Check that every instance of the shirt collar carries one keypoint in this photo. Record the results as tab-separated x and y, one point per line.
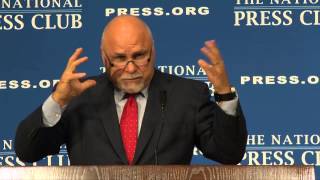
119	94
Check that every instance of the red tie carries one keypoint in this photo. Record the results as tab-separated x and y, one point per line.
129	127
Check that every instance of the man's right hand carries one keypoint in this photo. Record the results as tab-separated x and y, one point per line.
70	85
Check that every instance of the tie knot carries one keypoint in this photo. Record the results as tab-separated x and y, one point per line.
127	95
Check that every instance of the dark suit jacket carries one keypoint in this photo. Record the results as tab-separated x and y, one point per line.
90	127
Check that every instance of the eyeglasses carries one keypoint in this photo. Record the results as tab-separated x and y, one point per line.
120	62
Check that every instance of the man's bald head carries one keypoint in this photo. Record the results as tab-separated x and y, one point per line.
128	28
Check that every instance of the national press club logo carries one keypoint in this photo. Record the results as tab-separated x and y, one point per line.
16	15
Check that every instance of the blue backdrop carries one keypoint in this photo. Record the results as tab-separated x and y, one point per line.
270	48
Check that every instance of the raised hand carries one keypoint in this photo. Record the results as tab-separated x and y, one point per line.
70	85
215	70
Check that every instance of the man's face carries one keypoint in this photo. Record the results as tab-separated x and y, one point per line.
134	76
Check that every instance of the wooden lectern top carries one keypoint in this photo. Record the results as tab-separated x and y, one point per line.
170	172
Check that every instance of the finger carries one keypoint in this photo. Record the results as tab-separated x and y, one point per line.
76	54
88	84
213	48
212	52
212	58
68	78
204	65
76	63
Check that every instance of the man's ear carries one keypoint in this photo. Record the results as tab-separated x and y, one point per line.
103	57
153	55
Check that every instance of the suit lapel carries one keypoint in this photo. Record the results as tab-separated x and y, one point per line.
110	121
151	118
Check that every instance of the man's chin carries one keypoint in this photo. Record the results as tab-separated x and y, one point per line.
132	89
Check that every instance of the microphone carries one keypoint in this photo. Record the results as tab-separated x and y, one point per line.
163	101
163	104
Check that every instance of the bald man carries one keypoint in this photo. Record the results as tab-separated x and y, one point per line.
134	114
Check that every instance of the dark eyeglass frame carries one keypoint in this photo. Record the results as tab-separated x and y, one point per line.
133	61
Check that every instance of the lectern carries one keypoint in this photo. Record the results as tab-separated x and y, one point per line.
160	172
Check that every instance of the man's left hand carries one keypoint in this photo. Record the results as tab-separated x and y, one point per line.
215	70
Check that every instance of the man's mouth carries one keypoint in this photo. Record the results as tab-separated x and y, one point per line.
132	79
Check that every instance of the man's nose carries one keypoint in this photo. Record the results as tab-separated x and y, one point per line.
131	67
